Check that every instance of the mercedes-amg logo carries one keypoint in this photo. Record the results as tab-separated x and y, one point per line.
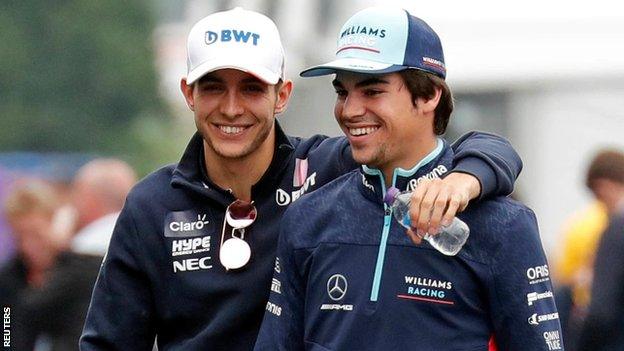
337	287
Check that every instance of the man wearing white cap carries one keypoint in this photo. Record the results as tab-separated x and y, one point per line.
193	251
352	280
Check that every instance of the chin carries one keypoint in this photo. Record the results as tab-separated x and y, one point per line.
364	160
234	154
370	159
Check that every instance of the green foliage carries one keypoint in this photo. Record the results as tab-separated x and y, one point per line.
76	75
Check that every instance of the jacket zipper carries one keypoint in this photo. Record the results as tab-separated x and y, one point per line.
381	254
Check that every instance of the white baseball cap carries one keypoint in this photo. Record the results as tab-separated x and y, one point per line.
239	39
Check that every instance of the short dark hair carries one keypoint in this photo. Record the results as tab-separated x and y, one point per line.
422	85
607	164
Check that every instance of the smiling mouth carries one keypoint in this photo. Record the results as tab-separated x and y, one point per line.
362	131
231	129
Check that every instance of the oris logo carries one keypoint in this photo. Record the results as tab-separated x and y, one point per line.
537	272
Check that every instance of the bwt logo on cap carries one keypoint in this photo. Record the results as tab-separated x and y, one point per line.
232	34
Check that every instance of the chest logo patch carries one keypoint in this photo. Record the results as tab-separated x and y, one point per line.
427	290
181	224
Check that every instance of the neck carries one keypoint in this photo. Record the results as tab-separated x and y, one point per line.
412	155
239	174
616	204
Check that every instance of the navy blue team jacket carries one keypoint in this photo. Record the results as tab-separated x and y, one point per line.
347	276
162	276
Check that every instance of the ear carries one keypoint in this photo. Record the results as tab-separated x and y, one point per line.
187	91
429	105
283	96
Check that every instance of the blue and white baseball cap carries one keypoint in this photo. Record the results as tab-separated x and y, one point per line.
239	39
381	40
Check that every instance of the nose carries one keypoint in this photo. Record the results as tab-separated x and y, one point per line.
231	106
352	107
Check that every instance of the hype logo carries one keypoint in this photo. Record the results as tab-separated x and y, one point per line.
228	35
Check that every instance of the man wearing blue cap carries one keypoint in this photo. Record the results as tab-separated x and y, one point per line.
348	276
192	255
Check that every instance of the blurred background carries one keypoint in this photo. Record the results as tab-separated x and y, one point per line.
86	79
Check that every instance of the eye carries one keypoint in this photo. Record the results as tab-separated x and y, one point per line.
254	88
342	93
210	88
373	92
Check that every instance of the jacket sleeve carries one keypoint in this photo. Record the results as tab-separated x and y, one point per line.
602	325
488	157
283	325
522	304
491	159
120	316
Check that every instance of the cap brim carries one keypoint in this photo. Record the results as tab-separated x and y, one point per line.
261	72
351	65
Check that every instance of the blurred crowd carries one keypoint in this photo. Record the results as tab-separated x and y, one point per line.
60	231
589	271
59	235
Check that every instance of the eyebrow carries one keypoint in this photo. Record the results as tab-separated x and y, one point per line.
366	82
252	80
211	78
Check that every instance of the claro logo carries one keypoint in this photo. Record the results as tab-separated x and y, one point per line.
189	226
182	224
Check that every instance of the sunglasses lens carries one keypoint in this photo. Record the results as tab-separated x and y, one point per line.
234	253
240	214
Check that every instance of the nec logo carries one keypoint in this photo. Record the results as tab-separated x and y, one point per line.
191	264
233	34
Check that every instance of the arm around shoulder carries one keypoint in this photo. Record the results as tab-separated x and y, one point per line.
491	159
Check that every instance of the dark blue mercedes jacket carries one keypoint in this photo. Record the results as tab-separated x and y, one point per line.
162	274
348	277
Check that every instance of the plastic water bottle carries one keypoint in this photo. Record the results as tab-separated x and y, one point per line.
448	241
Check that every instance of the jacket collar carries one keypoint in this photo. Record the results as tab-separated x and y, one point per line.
191	173
437	163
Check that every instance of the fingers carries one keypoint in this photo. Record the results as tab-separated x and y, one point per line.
421	206
434	203
456	202
415	204
439	206
416	239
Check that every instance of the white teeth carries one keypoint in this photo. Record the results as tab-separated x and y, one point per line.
362	131
231	130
